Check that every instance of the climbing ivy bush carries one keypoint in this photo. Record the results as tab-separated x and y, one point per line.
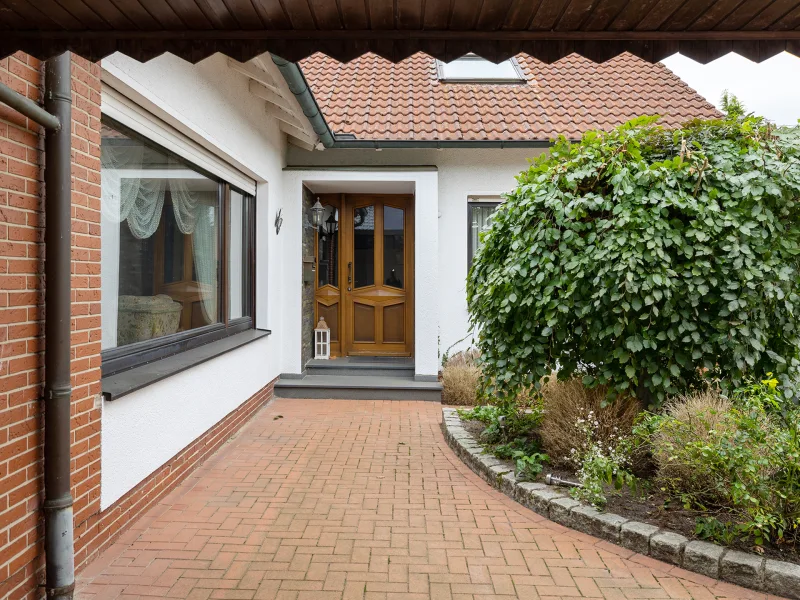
646	259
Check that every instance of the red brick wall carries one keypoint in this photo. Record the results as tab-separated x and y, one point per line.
22	310
86	330
21	328
21	342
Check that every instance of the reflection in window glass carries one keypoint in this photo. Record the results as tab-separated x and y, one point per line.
393	246
239	265
481	222
328	247
159	242
475	68
364	246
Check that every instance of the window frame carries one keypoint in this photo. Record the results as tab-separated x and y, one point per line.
122	358
520	78
486	201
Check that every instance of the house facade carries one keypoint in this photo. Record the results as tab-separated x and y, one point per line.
220	210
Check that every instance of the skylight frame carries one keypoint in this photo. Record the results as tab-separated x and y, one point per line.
520	77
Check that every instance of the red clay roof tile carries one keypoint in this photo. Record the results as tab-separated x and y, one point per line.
373	98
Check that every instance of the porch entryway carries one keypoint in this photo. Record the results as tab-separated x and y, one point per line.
359	278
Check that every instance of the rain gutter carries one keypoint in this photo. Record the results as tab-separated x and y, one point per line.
437	144
299	87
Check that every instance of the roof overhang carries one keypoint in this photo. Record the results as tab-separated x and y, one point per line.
395	29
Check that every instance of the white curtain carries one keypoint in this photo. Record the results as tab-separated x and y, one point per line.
184	205
481	222
204	248
139	201
126	195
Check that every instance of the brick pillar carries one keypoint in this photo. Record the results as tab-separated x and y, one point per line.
21	328
22	321
86	330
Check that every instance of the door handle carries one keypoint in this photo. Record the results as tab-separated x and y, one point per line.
349	274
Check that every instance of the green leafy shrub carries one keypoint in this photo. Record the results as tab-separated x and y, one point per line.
510	434
738	458
528	466
642	257
486	414
567	402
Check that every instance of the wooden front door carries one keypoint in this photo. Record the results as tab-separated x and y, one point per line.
364	284
378	283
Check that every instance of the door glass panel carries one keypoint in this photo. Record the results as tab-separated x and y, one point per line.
328	248
393	246
364	246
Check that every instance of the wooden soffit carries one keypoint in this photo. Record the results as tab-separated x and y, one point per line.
395	29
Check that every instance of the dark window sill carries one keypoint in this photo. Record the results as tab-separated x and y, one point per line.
120	384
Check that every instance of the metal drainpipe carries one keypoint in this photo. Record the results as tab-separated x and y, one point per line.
59	547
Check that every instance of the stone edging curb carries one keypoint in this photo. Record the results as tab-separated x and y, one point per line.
748	570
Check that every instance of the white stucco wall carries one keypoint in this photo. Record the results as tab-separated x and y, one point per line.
461	172
424	185
143	430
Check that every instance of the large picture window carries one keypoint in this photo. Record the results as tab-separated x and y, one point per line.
176	253
479	220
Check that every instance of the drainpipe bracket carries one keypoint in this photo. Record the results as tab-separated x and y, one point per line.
64	591
51	95
59	392
57	503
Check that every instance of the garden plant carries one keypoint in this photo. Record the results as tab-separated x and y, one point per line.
638	323
646	259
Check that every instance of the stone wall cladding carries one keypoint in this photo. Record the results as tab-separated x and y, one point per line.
21	331
307	328
748	570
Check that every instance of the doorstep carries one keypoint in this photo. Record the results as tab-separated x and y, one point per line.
359	378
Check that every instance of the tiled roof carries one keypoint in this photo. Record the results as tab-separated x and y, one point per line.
375	99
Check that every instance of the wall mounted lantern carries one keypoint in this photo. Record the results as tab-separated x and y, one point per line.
331	225
317	212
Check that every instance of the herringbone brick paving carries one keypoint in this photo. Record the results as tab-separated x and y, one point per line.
319	500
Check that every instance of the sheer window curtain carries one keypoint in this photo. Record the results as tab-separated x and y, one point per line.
481	222
127	194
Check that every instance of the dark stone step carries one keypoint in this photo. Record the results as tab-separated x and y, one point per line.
366	387
362	366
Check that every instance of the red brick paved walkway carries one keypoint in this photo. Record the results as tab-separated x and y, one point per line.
363	500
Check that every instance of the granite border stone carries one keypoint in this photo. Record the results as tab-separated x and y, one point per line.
748	570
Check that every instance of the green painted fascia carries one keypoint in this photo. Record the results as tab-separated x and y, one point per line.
299	87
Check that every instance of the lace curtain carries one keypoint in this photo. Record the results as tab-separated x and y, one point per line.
481	222
140	203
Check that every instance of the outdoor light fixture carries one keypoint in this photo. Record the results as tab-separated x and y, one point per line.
317	211
322	340
331	224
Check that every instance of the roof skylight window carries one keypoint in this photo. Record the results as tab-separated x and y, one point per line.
471	68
